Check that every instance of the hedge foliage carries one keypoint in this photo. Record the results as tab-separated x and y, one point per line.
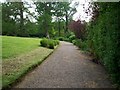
49	43
104	38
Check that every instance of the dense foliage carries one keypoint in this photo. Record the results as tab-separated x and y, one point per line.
22	22
49	43
104	38
78	27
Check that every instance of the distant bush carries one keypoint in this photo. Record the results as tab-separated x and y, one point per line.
72	37
81	44
74	42
61	38
78	42
44	42
66	39
56	42
49	43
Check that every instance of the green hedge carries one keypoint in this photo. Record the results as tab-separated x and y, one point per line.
81	44
104	39
49	43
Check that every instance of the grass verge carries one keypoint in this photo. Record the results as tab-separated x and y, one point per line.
19	66
15	67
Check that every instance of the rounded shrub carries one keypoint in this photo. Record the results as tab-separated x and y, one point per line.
74	42
61	38
51	44
56	42
72	37
44	42
78	43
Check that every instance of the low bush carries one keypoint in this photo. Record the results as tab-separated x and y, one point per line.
81	44
61	38
49	43
66	39
56	42
44	42
78	42
72	37
74	42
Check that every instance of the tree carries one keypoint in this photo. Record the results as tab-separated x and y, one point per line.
12	17
8	19
63	10
69	11
78	28
44	17
58	12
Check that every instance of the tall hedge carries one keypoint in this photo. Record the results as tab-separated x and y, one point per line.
104	38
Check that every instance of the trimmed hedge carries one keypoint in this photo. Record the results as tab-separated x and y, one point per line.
61	38
81	44
44	42
104	38
49	43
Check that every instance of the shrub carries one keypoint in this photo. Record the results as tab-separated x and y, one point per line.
74	42
44	42
78	42
49	43
81	44
72	37
61	38
56	42
66	39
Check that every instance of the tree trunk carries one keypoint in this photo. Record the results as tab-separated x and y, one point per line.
22	33
66	23
59	26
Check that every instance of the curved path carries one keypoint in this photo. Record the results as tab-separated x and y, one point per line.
67	67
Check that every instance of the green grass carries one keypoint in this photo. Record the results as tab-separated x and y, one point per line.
22	55
14	46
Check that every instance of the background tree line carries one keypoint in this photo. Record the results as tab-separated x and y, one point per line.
15	23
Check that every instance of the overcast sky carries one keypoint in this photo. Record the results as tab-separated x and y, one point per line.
80	14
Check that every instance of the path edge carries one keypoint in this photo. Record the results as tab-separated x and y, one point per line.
30	69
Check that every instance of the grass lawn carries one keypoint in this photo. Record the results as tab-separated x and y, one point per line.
19	56
14	46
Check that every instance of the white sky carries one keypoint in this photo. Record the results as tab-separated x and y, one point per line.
80	14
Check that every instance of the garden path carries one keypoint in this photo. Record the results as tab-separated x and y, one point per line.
67	67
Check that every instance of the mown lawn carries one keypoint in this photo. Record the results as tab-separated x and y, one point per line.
19	56
14	46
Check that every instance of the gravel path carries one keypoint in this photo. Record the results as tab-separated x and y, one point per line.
67	67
